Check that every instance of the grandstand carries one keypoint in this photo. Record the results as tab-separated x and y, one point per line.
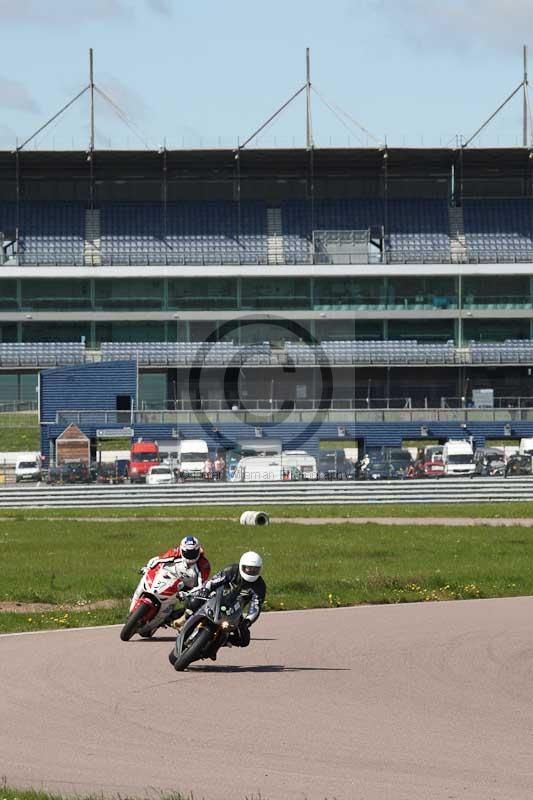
386	262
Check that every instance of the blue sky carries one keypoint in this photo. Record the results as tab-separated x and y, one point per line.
208	72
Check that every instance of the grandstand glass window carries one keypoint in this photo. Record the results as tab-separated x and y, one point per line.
27	387
421	293
56	295
10	388
200	331
426	330
507	292
276	294
348	293
132	294
343	329
8	332
8	295
495	330
56	331
151	331
152	390
203	295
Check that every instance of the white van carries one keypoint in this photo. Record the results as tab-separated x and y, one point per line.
192	455
526	447
259	469
458	457
302	461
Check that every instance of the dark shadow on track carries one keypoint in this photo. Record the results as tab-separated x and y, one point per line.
261	668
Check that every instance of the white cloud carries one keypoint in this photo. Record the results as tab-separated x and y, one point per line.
457	24
161	6
67	13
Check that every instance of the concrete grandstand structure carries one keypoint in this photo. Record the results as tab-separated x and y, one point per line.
408	272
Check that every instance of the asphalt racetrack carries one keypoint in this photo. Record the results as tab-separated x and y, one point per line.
396	702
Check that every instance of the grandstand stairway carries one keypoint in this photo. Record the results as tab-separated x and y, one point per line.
92	250
457	234
275	254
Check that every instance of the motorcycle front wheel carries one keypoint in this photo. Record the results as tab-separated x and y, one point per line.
133	623
191	652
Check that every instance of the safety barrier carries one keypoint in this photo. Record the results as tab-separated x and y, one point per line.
448	490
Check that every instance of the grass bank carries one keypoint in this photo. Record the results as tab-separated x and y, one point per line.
19	432
9	793
71	563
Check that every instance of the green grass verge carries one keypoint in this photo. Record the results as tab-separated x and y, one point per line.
484	510
9	793
19	432
70	563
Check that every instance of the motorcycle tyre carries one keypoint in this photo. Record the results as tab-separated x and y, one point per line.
133	623
193	652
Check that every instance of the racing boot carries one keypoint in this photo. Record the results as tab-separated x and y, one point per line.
179	622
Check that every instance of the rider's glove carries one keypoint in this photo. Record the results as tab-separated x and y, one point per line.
153	562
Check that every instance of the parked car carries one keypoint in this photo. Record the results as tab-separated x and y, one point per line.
332	465
489	461
108	473
161	474
519	464
27	471
401	462
73	472
427	468
376	468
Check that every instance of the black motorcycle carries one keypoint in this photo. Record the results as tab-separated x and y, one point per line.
207	629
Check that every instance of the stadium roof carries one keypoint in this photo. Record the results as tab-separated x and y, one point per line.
221	163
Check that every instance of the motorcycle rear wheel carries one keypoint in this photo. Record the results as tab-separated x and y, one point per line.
193	652
133	623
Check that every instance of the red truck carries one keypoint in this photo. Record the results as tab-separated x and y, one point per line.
143	455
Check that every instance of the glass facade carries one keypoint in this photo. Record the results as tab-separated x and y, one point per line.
275	294
513	291
266	294
439	295
17	388
56	295
129	294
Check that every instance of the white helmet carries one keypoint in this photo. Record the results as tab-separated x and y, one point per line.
190	549
250	566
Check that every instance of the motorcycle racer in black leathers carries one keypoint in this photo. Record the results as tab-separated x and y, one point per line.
246	578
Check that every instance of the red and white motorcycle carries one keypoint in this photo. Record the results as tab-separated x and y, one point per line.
154	598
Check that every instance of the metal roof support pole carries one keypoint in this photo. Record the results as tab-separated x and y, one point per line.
49	122
309	141
385	205
91	129
500	107
164	193
17	176
273	116
525	126
311	193
237	190
461	176
309	124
